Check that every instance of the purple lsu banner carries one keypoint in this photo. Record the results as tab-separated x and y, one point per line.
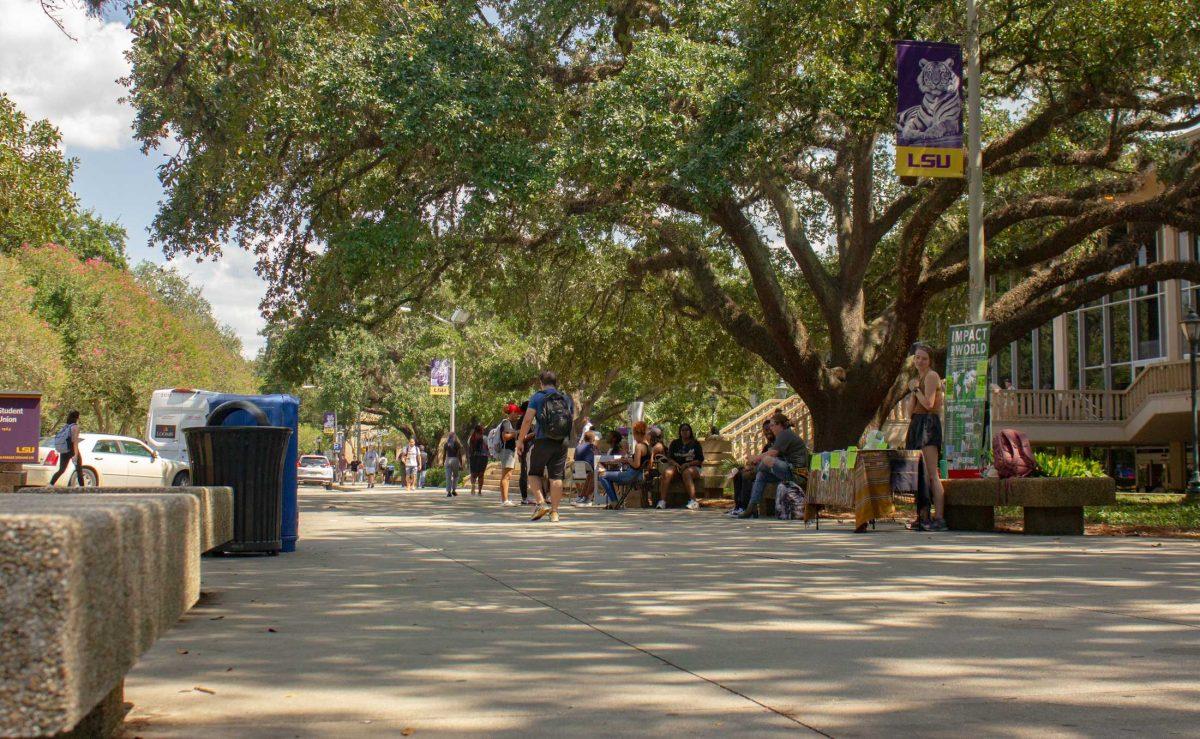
20	423
929	110
439	377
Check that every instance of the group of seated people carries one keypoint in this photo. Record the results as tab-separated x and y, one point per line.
646	457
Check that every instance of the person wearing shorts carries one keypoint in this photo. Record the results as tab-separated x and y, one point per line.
508	450
548	459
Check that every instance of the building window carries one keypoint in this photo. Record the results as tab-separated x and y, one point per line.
1189	251
1114	337
1028	362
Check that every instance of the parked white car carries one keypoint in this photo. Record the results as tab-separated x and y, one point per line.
111	461
314	469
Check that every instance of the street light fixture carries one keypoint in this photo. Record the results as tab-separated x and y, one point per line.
1191	331
781	390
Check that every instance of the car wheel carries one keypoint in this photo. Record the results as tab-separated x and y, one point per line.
182	480
90	479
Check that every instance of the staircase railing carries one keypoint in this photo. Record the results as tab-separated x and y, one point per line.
1091	406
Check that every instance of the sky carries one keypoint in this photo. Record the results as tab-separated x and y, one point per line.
74	85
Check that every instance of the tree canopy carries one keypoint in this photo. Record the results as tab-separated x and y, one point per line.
37	205
738	151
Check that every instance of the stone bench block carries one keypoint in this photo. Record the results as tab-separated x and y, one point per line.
1052	505
216	507
88	582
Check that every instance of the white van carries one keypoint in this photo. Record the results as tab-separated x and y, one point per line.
172	411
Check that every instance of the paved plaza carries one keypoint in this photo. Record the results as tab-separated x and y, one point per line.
407	614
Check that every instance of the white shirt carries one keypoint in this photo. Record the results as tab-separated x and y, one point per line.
411	456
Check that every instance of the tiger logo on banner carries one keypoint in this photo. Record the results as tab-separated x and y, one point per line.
929	110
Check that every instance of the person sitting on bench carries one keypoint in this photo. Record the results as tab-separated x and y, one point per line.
638	461
743	477
683	461
776	464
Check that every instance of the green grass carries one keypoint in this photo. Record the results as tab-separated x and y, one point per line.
1150	511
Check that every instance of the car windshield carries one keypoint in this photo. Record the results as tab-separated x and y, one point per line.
314	462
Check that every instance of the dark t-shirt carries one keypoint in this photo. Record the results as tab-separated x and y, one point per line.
477	445
453	449
586	453
506	427
682	453
791	448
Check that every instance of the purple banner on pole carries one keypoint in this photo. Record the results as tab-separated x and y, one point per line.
20	424
929	94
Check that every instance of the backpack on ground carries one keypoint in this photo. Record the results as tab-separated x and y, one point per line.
1012	454
789	501
62	440
555	417
495	442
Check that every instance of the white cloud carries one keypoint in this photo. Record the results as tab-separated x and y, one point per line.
71	83
234	289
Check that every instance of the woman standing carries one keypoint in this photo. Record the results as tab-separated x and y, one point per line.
478	459
453	452
66	443
926	399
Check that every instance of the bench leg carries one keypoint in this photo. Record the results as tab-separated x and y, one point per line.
102	721
971	518
1055	521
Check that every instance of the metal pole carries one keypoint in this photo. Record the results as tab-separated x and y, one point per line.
974	170
453	390
1193	488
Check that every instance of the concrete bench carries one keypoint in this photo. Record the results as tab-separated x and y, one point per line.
216	507
1052	505
87	584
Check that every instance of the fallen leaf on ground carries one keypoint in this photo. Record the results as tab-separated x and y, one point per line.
182	651
408	731
204	690
216	618
271	630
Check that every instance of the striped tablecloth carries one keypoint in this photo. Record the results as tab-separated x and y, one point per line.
866	488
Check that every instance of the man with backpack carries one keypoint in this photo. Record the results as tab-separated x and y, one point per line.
554	412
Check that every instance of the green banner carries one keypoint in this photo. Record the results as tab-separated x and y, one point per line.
966	395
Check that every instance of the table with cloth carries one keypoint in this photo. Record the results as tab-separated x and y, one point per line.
867	487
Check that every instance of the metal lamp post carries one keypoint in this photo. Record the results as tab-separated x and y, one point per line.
713	400
976	246
458	319
1191	332
781	390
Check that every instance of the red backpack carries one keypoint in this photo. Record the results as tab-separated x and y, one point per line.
1012	455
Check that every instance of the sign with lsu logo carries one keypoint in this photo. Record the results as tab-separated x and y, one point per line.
929	110
920	161
20	423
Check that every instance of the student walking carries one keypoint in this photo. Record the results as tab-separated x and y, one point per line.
926	398
555	414
508	450
370	465
412	461
424	465
453	454
477	458
66	443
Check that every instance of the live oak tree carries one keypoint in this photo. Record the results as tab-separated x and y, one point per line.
740	150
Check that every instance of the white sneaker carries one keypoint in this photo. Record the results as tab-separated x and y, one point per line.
508	504
662	505
587	504
693	505
734	513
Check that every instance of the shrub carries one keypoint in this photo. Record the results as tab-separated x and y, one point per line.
435	477
1051	465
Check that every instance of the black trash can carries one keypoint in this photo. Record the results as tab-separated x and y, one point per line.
250	460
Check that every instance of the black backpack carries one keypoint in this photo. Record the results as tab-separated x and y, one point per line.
556	416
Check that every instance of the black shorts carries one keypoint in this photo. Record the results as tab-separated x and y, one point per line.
548	458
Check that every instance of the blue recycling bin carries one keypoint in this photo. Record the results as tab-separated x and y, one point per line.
281	410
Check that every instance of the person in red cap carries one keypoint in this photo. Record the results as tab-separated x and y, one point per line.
508	450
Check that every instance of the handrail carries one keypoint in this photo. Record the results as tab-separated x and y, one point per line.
1091	406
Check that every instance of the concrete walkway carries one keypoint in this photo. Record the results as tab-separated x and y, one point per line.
406	613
